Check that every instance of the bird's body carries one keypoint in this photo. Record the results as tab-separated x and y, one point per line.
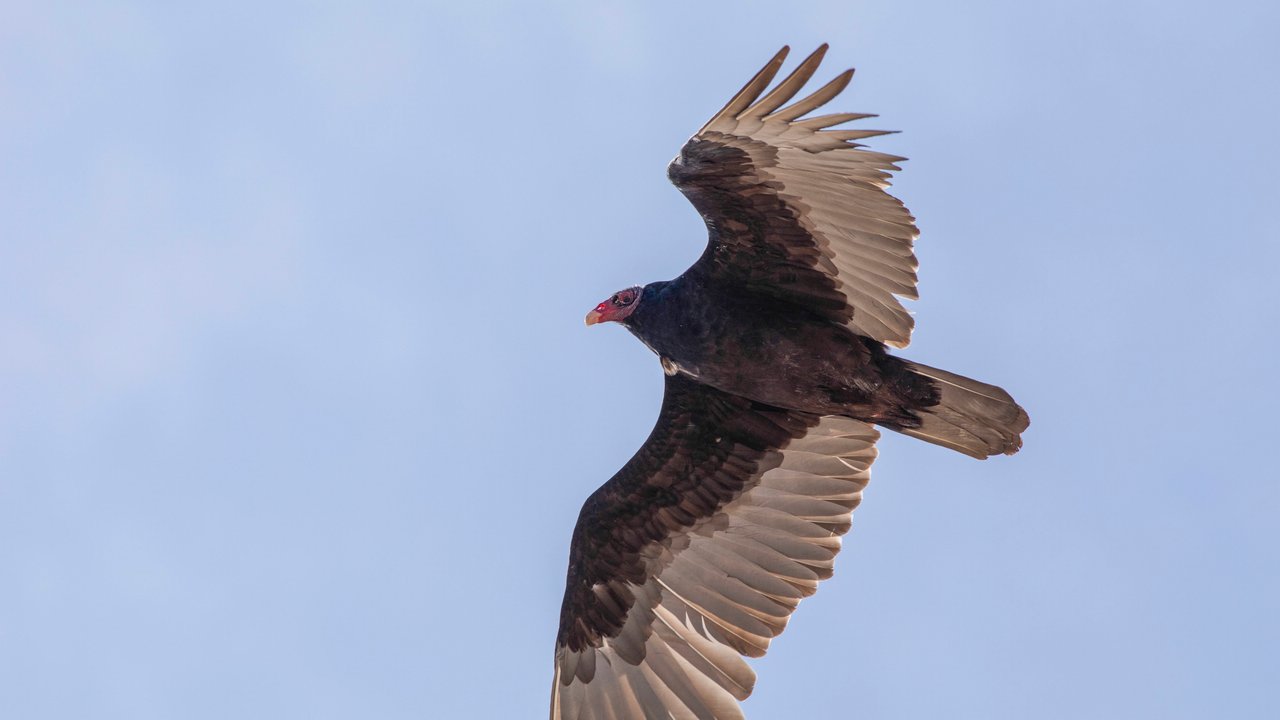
776	354
775	345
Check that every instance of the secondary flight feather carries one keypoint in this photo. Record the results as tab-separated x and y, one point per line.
695	554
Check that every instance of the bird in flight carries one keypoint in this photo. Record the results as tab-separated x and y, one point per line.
698	550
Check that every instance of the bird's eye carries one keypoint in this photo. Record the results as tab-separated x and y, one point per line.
616	300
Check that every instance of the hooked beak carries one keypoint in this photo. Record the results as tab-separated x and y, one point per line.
593	317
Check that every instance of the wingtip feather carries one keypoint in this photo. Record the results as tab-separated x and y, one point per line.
817	99
787	89
749	92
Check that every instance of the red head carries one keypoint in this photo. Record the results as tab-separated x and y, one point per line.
618	307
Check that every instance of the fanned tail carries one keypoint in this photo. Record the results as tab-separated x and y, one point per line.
972	417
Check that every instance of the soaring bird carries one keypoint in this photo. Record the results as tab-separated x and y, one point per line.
698	550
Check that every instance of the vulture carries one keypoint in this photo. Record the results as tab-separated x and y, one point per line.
694	555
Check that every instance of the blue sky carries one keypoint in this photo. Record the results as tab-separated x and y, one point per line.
297	409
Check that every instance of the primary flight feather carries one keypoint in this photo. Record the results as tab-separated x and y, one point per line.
698	550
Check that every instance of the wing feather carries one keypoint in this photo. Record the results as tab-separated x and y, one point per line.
826	121
788	88
752	89
820	97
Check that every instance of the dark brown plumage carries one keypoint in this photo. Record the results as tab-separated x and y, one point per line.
698	550
699	457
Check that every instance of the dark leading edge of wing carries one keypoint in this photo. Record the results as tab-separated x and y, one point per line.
704	449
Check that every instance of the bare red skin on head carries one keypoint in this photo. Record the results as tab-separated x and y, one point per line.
619	305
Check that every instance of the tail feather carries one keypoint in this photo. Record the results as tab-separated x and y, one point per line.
971	417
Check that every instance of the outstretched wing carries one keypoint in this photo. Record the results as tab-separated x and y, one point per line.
797	210
697	552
